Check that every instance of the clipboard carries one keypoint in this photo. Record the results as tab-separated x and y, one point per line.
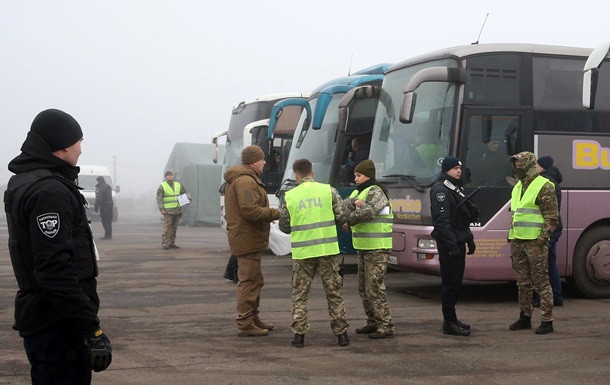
183	200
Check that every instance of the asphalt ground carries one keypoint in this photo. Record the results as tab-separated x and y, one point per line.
170	317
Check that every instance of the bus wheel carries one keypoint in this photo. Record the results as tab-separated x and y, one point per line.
591	263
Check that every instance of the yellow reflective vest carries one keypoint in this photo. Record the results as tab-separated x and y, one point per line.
312	221
527	220
170	197
374	234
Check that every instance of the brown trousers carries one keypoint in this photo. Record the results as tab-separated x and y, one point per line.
249	288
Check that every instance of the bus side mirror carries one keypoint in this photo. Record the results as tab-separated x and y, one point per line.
589	87
408	107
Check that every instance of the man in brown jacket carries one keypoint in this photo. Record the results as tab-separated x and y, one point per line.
248	216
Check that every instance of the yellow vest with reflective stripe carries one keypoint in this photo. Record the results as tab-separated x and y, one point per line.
312	221
527	220
374	234
170	197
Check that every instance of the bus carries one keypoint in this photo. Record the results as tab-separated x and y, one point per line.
319	139
484	103
249	124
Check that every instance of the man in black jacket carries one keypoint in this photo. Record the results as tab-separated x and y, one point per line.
104	203
54	256
451	220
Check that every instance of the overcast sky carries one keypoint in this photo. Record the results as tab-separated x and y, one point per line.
140	76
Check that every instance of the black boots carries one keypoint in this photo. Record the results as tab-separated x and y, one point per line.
545	327
367	329
524	322
343	340
454	329
298	341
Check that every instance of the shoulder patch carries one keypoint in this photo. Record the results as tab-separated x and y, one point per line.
48	224
440	197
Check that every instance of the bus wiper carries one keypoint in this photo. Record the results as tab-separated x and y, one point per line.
408	178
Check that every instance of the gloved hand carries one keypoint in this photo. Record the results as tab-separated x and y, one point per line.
100	351
454	251
471	247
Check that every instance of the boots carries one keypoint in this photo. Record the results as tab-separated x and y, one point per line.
298	341
545	327
524	322
454	329
253	331
367	329
263	325
343	339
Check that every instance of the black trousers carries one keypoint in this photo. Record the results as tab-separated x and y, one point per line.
106	217
452	272
58	355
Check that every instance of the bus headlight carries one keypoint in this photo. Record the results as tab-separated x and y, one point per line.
426	243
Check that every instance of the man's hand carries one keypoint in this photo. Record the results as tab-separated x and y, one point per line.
345	227
358	203
100	351
471	247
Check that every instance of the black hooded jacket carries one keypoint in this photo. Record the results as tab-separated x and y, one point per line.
50	243
554	175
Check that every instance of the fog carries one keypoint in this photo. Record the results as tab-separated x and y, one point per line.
140	76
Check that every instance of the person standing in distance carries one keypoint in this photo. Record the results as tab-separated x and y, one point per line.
54	256
545	168
104	203
371	218
310	214
248	216
167	201
451	217
535	217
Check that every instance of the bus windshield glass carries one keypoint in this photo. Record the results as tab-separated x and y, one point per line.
318	151
415	149
241	116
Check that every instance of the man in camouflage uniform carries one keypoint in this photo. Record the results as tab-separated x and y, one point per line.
309	214
167	201
371	220
535	217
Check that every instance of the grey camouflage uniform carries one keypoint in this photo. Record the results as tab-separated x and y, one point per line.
372	264
530	257
304	270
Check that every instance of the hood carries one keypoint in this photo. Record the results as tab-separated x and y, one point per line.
528	160
236	171
553	174
36	154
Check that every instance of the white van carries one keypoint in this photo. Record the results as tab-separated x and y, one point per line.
87	179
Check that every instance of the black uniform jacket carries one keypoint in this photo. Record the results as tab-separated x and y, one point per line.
451	226
50	243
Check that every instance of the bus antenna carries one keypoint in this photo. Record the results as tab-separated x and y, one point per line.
349	70
481	31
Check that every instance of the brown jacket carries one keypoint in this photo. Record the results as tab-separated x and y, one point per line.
247	211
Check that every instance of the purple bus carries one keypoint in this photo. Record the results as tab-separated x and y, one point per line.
483	103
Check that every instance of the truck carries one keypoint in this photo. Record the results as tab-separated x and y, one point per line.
87	179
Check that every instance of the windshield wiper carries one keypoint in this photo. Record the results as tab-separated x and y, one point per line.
408	178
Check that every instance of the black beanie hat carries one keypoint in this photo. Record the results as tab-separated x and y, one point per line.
545	162
367	168
58	129
450	162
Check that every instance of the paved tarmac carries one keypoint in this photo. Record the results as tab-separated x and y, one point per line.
170	317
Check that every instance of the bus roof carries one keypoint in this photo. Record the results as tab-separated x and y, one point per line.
478	49
270	97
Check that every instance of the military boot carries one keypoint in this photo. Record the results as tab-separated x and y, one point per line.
524	322
545	327
367	329
343	339
298	341
263	325
253	331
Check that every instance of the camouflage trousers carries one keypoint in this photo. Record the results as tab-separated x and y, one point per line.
303	272
531	265
372	266
170	225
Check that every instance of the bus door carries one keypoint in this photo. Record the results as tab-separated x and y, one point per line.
489	136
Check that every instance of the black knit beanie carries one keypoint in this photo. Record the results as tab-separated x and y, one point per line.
450	162
367	168
545	162
58	129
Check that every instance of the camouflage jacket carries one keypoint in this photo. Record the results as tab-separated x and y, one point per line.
375	201
546	199
161	194
339	210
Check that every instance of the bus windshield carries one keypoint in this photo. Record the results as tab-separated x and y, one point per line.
415	149
319	152
241	116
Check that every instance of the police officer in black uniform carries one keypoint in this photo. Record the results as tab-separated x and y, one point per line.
452	213
54	256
